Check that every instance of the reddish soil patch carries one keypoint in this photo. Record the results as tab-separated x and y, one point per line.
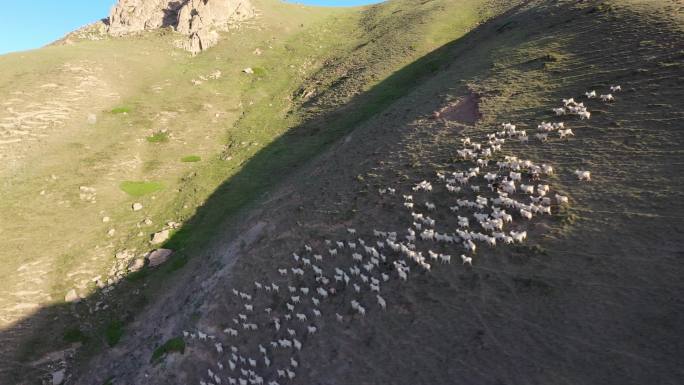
464	110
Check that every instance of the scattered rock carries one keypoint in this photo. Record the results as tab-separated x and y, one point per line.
72	296
111	232
125	254
147	222
137	206
173	225
215	75
257	52
92	118
159	256
160	237
248	70
136	264
87	193
105	219
58	377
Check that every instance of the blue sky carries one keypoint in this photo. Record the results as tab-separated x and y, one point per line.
31	24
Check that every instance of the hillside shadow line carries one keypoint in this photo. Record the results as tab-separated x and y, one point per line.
43	331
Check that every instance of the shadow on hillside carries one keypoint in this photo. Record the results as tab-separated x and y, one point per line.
44	331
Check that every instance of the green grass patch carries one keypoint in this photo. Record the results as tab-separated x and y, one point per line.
73	335
177	263
173	345
566	216
120	110
601	8
138	189
258	71
158	137
151	166
138	276
113	332
191	159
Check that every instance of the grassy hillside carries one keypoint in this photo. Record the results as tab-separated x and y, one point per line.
92	127
592	292
342	102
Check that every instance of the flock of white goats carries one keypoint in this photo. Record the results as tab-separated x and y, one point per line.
353	271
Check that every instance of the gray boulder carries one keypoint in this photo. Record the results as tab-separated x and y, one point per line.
160	237
159	256
72	296
58	377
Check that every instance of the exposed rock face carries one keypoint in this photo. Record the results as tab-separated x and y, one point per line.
129	16
199	20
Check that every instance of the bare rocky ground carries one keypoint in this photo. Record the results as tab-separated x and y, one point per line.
594	296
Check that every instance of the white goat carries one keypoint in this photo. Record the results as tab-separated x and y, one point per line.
565	133
381	302
583	175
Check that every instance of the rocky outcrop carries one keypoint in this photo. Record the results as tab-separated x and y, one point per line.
200	21
129	16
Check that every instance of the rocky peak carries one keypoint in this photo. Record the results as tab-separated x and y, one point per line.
200	21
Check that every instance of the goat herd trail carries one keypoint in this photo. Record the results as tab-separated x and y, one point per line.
340	280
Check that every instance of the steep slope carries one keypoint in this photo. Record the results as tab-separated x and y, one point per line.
95	124
592	296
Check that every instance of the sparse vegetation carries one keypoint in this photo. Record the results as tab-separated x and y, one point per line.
140	188
259	72
191	159
158	137
74	335
174	345
120	110
113	332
